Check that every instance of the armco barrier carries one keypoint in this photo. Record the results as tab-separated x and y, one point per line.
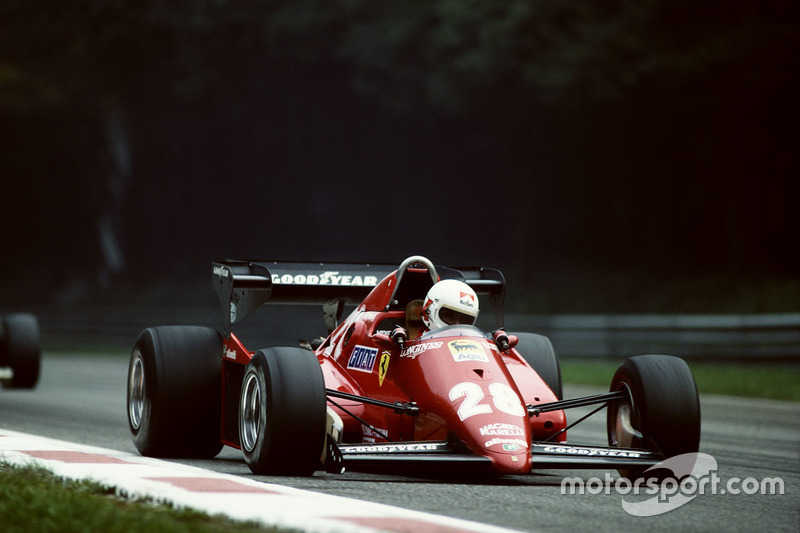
745	337
748	337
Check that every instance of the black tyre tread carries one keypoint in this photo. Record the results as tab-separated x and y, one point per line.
666	399
293	432
538	351
22	350
183	366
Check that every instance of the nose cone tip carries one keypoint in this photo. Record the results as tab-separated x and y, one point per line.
517	463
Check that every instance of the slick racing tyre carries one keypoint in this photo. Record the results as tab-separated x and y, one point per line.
21	350
282	412
662	411
538	351
174	392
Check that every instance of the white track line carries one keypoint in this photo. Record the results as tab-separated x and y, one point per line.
180	485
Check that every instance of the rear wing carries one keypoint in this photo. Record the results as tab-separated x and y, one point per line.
244	286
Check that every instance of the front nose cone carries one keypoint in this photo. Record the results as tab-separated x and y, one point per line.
509	455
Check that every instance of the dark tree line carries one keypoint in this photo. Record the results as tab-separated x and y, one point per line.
143	138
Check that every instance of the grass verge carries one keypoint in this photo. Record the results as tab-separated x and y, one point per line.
34	499
775	382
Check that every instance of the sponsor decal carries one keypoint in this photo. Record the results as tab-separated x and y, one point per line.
471	356
325	278
221	271
502	430
370	434
230	354
575	450
416	349
466	299
362	358
383	367
509	445
390	448
464	350
374	432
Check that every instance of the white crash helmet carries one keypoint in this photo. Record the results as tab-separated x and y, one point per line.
449	302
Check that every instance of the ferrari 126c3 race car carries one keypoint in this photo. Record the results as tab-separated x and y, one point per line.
372	394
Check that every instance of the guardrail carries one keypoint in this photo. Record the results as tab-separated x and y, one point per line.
757	337
744	337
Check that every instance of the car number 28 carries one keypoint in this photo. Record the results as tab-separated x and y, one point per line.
503	397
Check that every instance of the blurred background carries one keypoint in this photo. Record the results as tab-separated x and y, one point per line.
609	157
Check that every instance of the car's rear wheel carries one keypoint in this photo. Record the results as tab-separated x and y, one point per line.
662	410
282	412
538	351
174	392
21	350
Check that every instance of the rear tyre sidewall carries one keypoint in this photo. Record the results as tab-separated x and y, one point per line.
174	392
538	352
282	412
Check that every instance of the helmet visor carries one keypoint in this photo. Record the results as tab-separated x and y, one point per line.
452	317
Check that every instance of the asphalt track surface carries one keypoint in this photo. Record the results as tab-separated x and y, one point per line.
81	398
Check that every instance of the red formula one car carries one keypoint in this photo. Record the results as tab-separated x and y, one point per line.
374	393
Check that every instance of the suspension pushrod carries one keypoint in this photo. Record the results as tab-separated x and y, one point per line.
405	408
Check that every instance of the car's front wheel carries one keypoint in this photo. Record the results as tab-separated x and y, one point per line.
662	409
282	412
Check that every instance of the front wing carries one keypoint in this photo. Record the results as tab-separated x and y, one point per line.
544	456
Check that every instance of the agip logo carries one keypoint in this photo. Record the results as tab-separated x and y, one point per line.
464	350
